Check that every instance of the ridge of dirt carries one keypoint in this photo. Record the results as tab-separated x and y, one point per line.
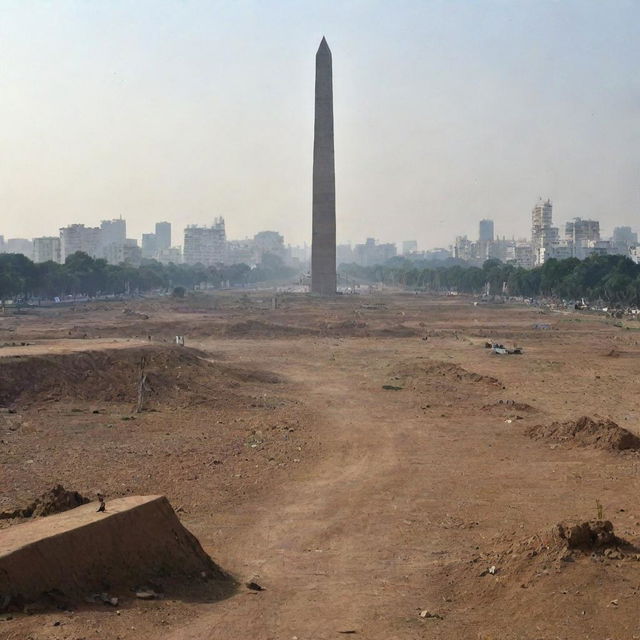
434	369
587	432
174	375
56	500
259	328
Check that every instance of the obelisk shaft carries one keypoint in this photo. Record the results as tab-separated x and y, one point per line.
323	244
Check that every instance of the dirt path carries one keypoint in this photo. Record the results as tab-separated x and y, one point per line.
322	545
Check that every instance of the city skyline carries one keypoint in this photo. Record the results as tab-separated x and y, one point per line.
151	114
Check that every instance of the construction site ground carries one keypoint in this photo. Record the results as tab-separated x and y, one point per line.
364	459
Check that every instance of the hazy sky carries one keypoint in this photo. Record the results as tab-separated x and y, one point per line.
445	112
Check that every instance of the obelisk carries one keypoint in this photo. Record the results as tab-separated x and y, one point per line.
323	239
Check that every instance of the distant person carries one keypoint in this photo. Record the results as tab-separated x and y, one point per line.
102	508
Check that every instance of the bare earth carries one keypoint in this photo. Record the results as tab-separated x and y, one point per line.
356	507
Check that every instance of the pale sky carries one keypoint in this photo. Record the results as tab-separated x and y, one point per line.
445	113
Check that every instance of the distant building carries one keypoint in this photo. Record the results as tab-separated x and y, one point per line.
149	245
301	255
113	231
268	242
523	256
623	239
437	254
19	245
171	254
543	234
46	249
485	239
131	252
465	249
582	231
409	246
163	235
344	254
370	253
77	237
485	231
578	233
128	252
205	245
241	252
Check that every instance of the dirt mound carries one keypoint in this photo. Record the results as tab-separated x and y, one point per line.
587	536
509	405
600	434
173	375
562	543
345	328
258	328
56	500
398	331
434	370
525	561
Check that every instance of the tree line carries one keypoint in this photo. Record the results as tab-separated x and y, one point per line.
20	278
613	279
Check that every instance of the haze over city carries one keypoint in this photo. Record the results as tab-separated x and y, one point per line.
444	113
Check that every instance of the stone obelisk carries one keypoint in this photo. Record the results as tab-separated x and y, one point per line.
323	241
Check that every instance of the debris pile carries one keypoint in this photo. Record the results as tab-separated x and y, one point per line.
587	432
56	500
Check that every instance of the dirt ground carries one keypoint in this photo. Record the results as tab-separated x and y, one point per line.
362	474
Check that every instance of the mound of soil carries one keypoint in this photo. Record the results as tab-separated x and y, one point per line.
399	331
258	328
432	370
563	542
174	375
509	405
56	500
600	434
345	328
587	536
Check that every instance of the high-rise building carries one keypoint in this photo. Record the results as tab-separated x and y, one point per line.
581	231
77	237
113	231
205	245
46	249
485	231
163	235
544	235
149	245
